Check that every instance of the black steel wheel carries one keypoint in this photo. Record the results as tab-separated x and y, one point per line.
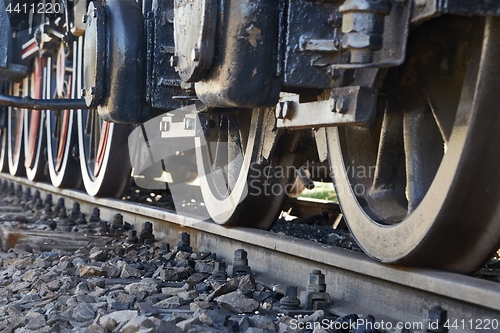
238	186
62	141
4	165
420	186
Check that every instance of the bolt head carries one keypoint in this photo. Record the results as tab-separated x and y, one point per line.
85	18
342	105
93	91
83	92
358	40
240	254
94	13
316	278
286	110
184	237
279	110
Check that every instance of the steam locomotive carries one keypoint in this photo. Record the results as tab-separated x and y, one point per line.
400	96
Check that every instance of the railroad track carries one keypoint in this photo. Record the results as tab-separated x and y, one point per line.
356	283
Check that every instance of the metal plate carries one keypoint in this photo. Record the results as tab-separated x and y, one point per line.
94	55
194	33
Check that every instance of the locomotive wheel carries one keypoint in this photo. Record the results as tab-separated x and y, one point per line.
64	167
236	189
4	165
34	121
431	199
15	128
102	147
104	158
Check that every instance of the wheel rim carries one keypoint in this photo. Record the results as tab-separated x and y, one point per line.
33	134
231	180
15	128
225	162
61	140
437	206
99	143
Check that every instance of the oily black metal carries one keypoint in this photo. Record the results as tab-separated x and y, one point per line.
243	69
195	25
113	69
42	104
162	81
313	43
8	71
5	35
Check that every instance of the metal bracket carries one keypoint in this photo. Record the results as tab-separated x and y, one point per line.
395	37
354	105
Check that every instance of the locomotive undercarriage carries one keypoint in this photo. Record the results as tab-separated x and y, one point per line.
400	97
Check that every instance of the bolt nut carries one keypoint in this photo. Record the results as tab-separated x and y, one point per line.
93	91
83	92
85	18
364	22
240	254
118	219
358	40
437	317
94	13
316	281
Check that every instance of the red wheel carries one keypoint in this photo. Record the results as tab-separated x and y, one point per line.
34	126
103	149
15	127
62	141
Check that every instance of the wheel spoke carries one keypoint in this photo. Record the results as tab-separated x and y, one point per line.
235	154
424	149
391	149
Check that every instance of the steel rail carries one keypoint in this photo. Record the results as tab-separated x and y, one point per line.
355	282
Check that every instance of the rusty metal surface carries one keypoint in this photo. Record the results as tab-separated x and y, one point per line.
354	281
